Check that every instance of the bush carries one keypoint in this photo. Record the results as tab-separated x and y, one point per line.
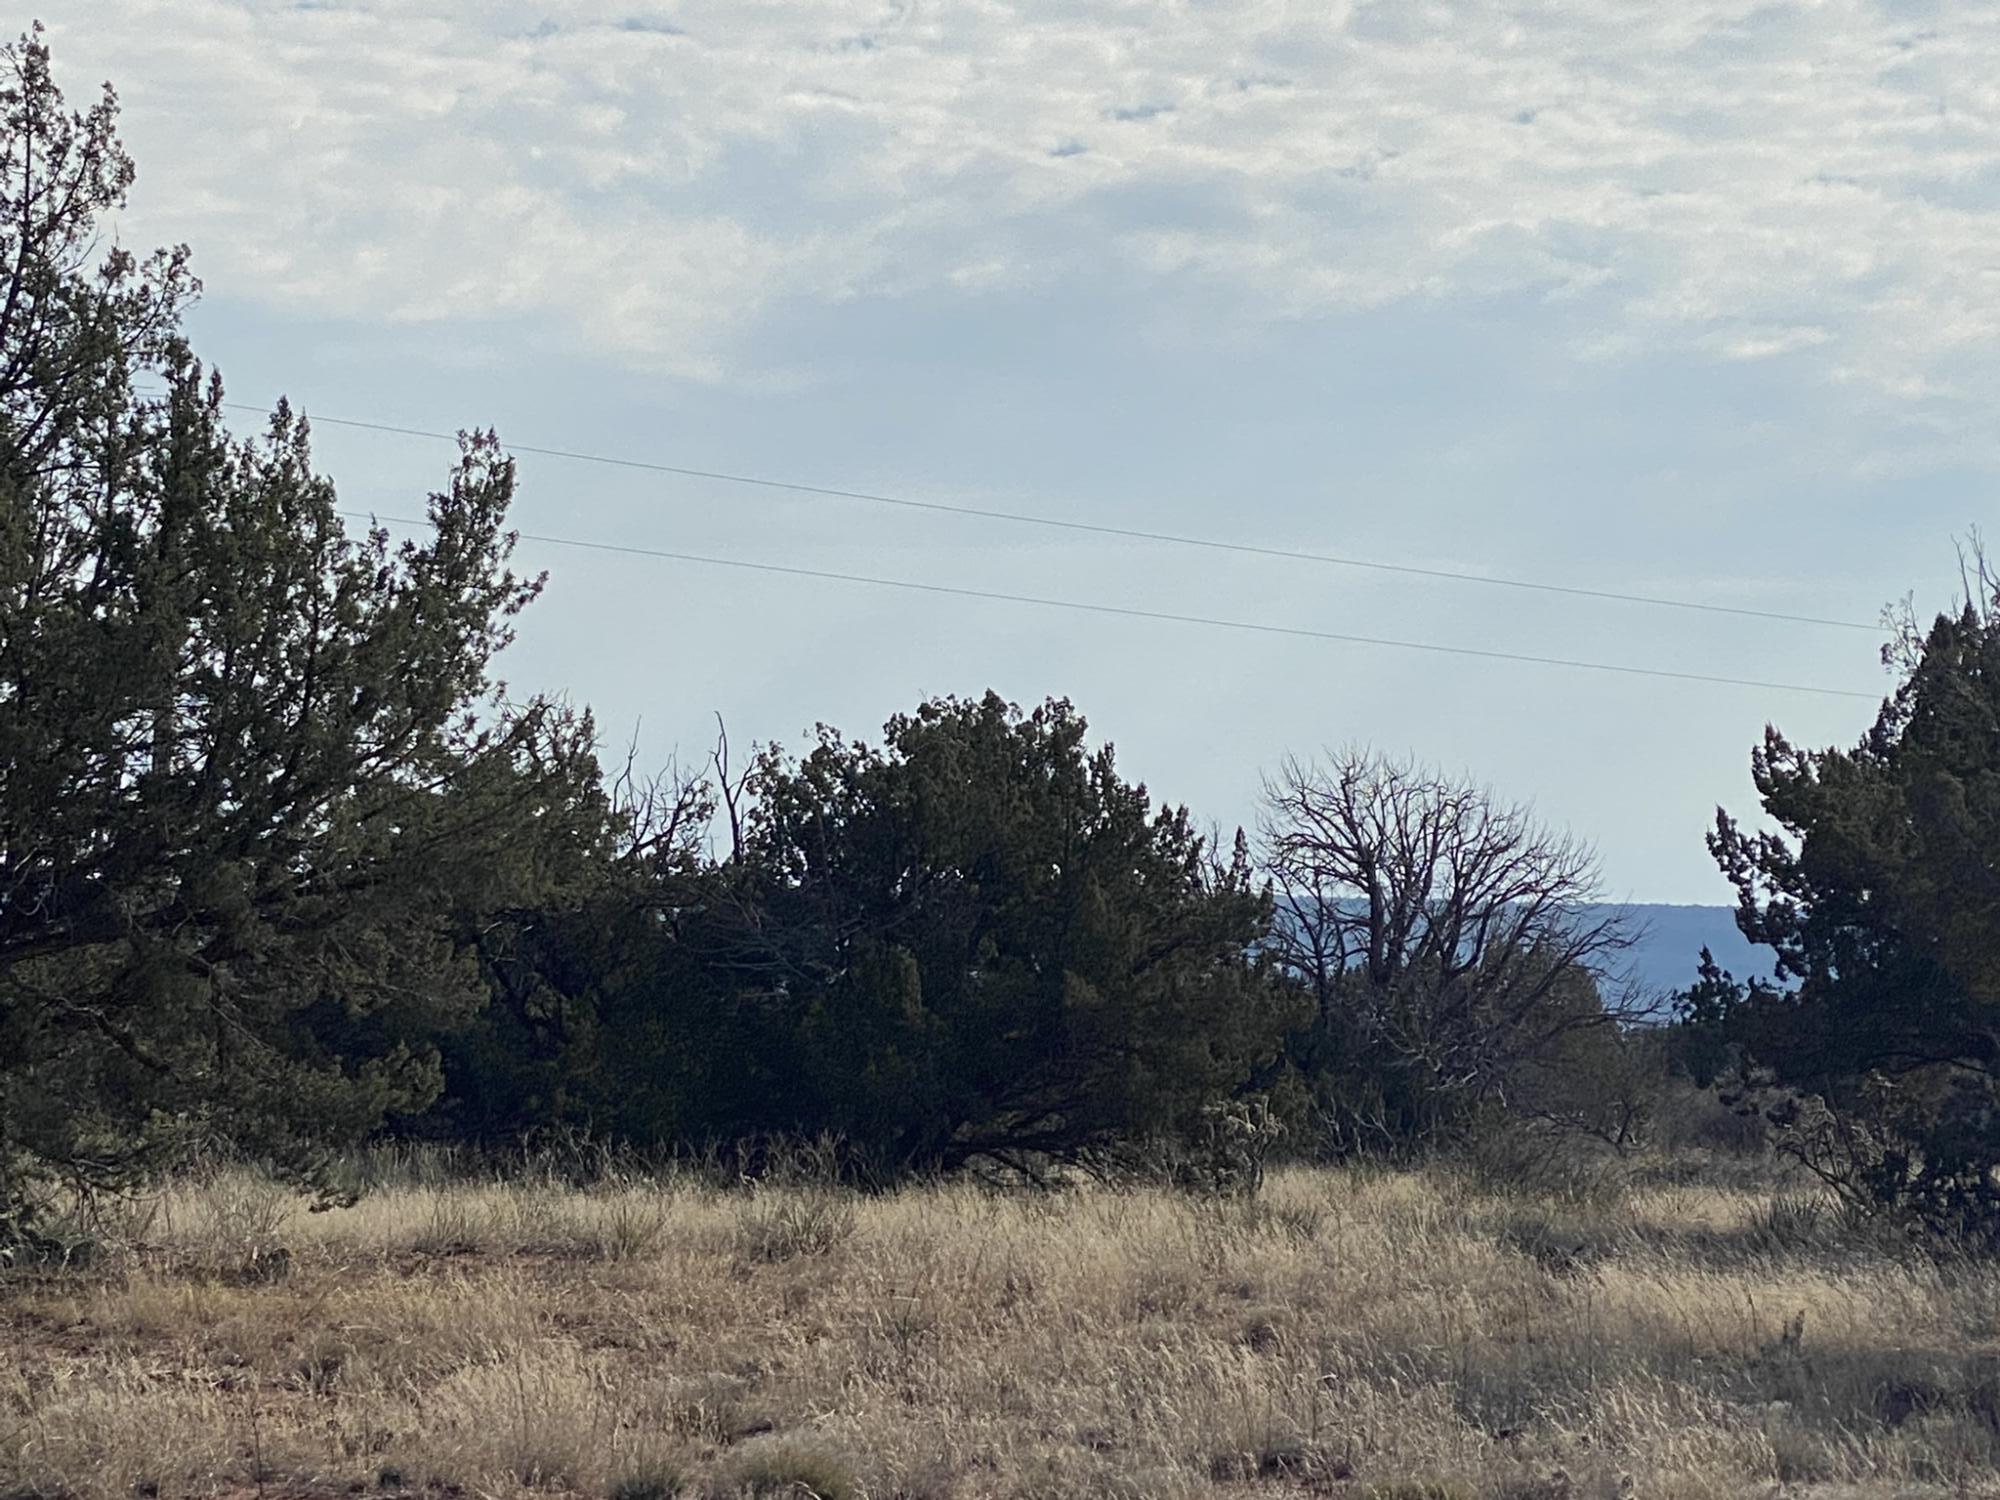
783	1223
789	1466
653	1479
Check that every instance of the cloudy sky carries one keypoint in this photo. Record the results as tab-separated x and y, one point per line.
1696	300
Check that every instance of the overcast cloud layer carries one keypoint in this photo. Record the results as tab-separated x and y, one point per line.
1692	300
1740	179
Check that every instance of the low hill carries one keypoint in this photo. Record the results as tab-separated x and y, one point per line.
1671	938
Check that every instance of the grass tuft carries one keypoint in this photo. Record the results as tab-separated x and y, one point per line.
788	1466
783	1223
652	1479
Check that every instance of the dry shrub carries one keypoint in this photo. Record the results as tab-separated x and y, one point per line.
232	1220
780	1223
541	1417
454	1223
116	1434
1529	1160
631	1224
653	1478
1418	1489
1795	1221
788	1466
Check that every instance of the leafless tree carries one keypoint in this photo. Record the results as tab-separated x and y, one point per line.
660	817
1444	935
731	786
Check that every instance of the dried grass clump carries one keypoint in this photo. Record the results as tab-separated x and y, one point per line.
785	1222
787	1467
652	1479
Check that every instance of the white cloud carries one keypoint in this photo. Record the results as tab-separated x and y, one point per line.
1764	342
1725	176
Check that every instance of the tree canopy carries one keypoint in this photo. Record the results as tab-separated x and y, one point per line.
974	941
1447	939
1879	891
256	780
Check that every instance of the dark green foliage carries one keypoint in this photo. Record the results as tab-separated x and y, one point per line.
975	941
990	944
1881	895
1698	1043
603	1014
256	791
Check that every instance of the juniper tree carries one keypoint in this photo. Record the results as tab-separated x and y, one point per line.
258	790
972	942
1878	887
995	946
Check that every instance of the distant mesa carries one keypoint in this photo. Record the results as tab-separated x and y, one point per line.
1668	953
1665	957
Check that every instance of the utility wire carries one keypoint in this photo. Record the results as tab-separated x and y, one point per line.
1082	606
1022	518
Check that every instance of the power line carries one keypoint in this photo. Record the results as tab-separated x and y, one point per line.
1085	607
1023	518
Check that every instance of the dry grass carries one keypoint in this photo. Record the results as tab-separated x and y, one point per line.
1380	1336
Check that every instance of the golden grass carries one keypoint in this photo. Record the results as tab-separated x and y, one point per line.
1375	1335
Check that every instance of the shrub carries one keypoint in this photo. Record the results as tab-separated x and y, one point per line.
784	1223
651	1479
790	1465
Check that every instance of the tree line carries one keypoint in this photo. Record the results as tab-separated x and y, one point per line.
283	867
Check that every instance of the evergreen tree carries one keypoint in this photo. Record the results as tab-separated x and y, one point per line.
973	942
990	945
258	791
1880	892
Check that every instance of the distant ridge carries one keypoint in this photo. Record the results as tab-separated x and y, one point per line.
1665	957
1668	953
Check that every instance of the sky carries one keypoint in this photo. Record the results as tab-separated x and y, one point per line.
1697	300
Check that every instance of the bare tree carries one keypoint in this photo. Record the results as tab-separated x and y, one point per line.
660	817
731	787
1449	940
